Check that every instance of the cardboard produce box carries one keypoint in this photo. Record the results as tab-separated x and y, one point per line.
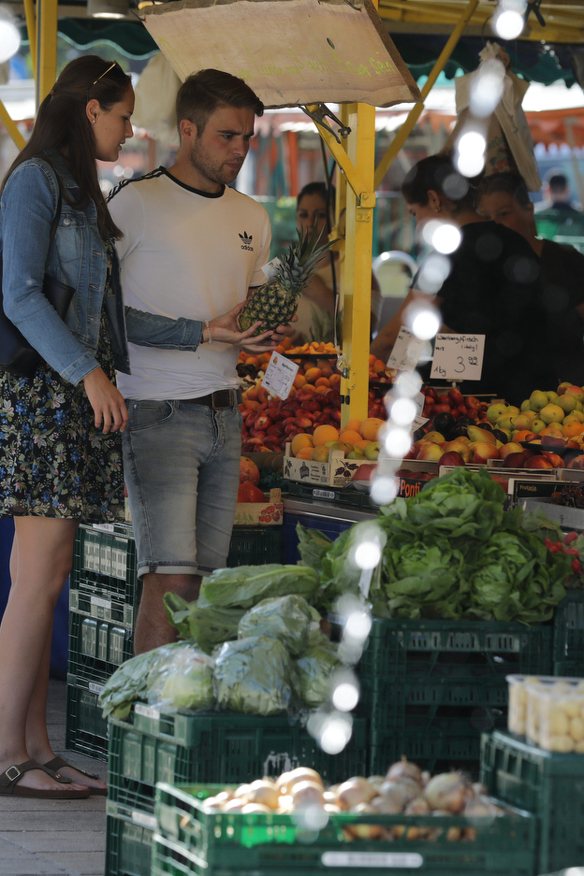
337	472
269	513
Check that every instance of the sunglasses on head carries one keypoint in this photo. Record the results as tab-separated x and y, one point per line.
105	72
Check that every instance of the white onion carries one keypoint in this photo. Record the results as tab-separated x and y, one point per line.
446	791
306	794
364	831
404	767
354	791
264	793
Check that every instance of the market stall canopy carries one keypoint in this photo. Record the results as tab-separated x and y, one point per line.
291	52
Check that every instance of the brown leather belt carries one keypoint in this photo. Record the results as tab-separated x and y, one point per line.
219	401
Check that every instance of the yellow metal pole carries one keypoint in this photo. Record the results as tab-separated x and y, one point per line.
31	30
46	47
407	127
11	127
357	267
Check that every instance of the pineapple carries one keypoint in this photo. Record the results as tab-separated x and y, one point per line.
276	301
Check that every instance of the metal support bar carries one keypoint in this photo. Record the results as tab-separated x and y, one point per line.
414	114
46	47
339	154
31	31
11	127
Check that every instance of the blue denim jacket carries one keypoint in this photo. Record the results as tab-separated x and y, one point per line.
77	257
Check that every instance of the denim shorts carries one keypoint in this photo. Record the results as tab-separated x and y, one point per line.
181	465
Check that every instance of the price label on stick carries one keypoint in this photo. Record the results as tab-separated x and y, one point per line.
458	357
279	375
406	351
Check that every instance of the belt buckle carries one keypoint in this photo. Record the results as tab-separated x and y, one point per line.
217	407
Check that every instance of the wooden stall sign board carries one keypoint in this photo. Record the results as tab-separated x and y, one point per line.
290	52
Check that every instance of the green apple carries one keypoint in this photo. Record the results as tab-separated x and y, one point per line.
551	413
371	450
355	453
538	400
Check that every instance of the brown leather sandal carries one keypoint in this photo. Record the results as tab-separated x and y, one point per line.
58	763
10	777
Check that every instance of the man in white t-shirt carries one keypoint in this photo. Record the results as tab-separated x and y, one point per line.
192	249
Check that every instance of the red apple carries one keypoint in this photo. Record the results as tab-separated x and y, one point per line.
429	451
455	396
482	450
515	460
539	461
510	447
451	457
440	409
430	393
458	446
555	459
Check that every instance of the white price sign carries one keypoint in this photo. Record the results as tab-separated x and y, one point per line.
406	351
279	375
458	357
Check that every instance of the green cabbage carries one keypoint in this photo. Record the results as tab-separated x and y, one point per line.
208	625
183	681
315	667
256	676
245	586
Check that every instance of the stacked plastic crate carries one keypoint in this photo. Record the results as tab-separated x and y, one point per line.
431	687
190	840
569	635
104	594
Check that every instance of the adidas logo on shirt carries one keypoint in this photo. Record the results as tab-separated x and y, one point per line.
246	241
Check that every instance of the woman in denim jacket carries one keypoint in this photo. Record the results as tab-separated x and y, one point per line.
60	442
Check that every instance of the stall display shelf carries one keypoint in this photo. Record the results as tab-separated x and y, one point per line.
128	841
549	785
96	648
569	635
347	496
155	746
86	731
189	840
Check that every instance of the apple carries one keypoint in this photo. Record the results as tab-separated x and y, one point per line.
510	447
515	460
429	451
555	459
455	396
355	453
452	457
482	451
440	409
320	453
539	461
371	451
365	472
457	445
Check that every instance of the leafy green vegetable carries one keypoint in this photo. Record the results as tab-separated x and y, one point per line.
208	625
245	586
130	680
256	676
315	667
287	618
312	545
183	681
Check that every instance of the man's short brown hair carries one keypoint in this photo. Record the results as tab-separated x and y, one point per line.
203	92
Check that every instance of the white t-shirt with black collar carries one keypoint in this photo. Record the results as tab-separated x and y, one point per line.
186	253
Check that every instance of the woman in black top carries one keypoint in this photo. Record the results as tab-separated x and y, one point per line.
492	287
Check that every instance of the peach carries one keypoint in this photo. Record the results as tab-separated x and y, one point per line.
299	441
312	374
324	433
370	428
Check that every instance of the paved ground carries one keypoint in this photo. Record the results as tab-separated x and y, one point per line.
58	837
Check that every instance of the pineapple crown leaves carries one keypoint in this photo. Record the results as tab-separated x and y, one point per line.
302	257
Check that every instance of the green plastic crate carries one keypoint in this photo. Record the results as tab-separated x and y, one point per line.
255	546
216	747
100	604
270	844
86	731
128	841
96	647
106	561
569	635
549	785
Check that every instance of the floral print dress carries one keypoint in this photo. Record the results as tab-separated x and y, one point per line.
53	460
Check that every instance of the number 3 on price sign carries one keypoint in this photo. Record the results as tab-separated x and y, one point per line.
458	357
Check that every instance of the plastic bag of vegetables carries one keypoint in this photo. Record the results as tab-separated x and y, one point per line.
182	681
130	680
287	618
256	676
315	668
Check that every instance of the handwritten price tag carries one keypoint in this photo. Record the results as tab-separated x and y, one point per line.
279	375
406	351
458	357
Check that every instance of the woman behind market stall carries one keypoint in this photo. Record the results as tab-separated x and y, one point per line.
316	306
492	288
503	197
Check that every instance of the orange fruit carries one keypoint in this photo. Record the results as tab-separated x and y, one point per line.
324	433
312	374
299	441
370	428
353	426
570	430
252	360
524	435
551	431
378	366
348	436
299	380
304	453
